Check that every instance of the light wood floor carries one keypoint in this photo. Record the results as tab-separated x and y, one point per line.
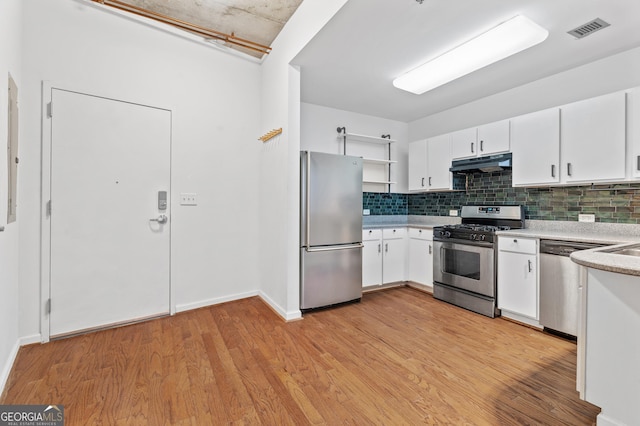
398	357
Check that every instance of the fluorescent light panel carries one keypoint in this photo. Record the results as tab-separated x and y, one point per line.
510	37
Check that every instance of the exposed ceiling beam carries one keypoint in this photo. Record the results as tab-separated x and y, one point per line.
187	26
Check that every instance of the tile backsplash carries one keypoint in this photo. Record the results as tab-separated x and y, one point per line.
619	203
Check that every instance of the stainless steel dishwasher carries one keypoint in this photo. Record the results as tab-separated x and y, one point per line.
559	280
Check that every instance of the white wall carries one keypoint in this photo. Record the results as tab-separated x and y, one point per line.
617	72
10	57
279	185
318	133
215	99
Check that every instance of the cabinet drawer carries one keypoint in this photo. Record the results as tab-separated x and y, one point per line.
393	233
421	233
371	234
518	245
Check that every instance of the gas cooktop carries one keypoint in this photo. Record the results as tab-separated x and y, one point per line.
480	223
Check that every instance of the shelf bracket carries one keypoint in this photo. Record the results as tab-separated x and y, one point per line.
343	131
389	158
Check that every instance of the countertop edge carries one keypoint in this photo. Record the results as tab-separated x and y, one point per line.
610	262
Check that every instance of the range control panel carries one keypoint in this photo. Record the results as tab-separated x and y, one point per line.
489	210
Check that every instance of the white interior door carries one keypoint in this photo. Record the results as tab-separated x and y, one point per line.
109	261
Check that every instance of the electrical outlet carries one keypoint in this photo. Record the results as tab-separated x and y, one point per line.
366	212
188	199
453	212
586	218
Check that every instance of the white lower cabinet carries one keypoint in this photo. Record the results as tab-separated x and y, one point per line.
371	257
518	276
383	256
421	256
393	254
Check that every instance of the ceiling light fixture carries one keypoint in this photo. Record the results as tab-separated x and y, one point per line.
508	38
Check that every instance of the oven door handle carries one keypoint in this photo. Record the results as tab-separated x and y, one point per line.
464	242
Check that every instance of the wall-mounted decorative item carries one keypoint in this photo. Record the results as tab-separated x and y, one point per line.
270	135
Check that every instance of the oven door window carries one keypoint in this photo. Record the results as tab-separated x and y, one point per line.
462	263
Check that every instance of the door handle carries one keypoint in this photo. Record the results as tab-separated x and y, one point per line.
472	147
429	180
529	264
430	249
481	145
349	247
423	180
160	219
568	169
379	248
386	248
553	170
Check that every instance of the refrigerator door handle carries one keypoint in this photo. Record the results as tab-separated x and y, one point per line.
307	201
351	246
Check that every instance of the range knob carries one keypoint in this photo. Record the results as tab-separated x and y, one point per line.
482	237
473	237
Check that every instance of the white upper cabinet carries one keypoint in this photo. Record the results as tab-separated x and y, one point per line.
464	143
535	144
479	141
429	163
493	138
438	163
633	133
593	139
418	166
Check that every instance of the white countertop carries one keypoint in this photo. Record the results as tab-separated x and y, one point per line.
590	237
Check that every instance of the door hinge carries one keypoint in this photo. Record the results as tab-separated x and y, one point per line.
49	208
50	109
47	307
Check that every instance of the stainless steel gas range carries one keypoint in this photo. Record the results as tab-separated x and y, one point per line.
464	261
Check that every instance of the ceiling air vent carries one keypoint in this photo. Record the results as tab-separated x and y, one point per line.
589	28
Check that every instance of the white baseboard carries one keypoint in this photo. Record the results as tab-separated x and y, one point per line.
522	319
29	340
6	369
287	316
603	420
215	301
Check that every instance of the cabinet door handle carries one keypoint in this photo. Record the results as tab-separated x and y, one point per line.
472	147
481	145
379	248
386	247
569	169
430	249
638	162
553	170
429	180
530	264
423	182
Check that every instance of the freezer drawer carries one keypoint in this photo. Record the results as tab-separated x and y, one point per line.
330	276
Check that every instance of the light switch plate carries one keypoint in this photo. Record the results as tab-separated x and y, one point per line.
586	218
188	199
453	212
366	212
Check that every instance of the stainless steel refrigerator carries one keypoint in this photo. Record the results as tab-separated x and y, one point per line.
330	229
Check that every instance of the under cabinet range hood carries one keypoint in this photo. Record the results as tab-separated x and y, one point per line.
491	163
